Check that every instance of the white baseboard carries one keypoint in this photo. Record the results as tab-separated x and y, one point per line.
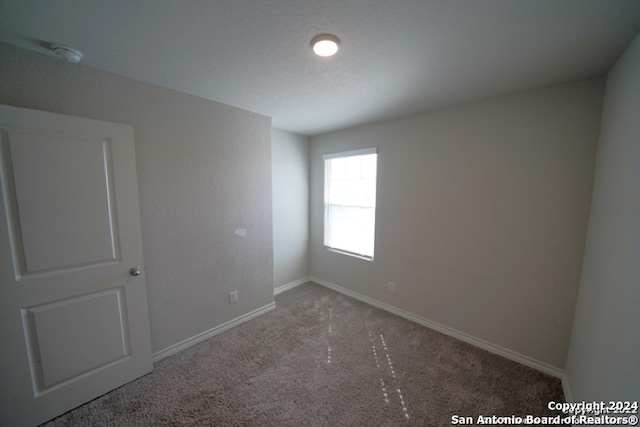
182	345
485	345
566	388
291	285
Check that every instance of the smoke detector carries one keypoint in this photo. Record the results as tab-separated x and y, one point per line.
67	53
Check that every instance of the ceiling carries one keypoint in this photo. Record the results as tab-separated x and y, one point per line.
397	56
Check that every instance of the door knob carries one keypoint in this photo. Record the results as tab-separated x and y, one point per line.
135	271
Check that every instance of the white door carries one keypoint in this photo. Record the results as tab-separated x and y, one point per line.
73	306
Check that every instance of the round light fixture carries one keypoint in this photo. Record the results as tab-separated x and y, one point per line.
325	44
67	53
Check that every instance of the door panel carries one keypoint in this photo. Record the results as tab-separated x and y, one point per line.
76	171
73	321
95	337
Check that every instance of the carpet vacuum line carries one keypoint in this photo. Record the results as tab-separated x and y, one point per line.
392	371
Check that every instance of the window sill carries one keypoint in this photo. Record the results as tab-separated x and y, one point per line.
351	254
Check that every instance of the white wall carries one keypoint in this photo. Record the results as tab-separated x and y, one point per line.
290	163
604	356
481	215
204	170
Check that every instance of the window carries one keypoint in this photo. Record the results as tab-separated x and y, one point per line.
350	202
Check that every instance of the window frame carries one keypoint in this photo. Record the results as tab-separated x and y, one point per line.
326	191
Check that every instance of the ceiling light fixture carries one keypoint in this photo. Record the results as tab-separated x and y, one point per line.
67	53
325	45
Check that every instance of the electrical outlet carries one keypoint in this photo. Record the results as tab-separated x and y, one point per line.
233	297
392	287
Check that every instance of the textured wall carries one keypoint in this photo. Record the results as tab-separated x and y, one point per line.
603	361
481	215
204	170
290	161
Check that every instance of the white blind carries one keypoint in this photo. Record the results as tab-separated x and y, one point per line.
350	201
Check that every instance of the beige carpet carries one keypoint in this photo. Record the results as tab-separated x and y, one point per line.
323	359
